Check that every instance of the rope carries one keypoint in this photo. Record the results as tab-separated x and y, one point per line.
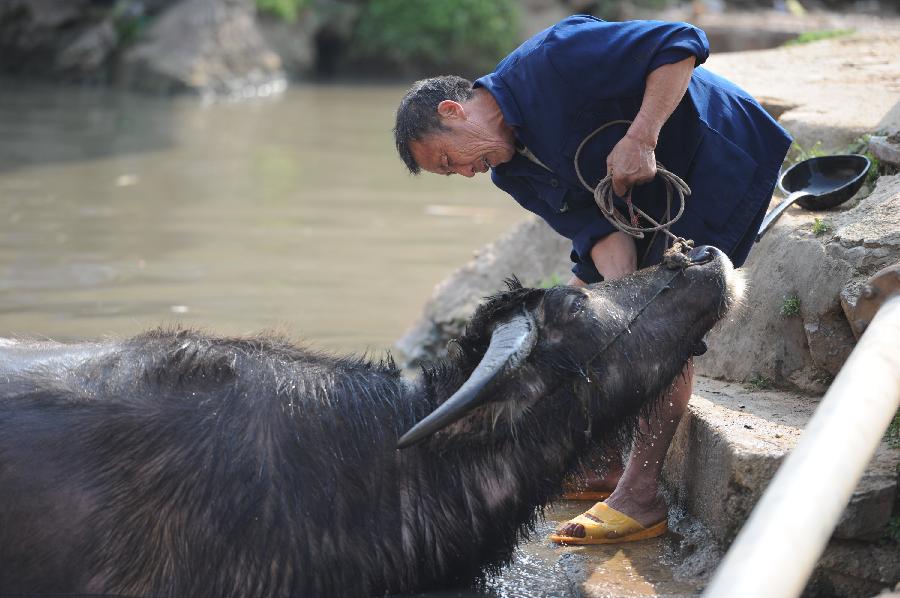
604	197
674	258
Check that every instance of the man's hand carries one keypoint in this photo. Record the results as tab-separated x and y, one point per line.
631	162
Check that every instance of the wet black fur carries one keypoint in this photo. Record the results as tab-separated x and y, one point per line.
180	464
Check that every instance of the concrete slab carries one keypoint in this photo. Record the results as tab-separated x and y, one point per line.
831	91
731	443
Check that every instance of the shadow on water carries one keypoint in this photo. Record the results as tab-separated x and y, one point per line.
72	124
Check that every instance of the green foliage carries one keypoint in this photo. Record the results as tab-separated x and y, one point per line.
465	36
815	36
129	21
861	146
798	153
286	10
612	10
820	227
874	171
552	281
790	306
893	433
892	530
760	382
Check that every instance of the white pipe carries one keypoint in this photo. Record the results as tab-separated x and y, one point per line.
778	547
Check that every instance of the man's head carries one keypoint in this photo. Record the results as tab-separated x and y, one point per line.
447	127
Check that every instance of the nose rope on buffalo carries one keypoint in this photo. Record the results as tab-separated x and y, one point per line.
605	199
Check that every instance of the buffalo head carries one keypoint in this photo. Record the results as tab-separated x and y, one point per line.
603	352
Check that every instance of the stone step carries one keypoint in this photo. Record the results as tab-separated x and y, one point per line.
726	451
731	443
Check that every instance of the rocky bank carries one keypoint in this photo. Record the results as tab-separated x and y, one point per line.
209	47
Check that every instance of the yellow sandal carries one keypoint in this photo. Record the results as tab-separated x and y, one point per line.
605	525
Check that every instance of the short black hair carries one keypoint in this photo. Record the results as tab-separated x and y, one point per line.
417	115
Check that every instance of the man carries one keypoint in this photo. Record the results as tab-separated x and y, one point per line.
526	122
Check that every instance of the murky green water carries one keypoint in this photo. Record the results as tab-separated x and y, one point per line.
119	212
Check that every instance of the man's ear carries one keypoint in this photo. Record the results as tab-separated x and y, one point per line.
451	109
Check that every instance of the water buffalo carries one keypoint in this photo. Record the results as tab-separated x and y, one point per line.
180	464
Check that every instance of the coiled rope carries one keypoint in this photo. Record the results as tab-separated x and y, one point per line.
605	197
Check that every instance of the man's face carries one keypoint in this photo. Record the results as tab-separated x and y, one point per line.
468	146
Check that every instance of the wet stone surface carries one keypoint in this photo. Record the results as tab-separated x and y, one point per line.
673	565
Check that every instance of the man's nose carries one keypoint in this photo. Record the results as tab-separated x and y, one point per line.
467	171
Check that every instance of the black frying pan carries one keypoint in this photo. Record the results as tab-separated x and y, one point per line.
818	184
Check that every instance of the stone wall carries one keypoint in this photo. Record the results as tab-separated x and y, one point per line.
823	272
531	251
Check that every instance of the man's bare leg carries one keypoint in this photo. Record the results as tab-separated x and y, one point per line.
637	493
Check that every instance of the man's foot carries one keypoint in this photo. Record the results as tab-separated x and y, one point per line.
635	510
602	524
623	517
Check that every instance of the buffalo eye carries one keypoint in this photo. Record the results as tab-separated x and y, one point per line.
573	304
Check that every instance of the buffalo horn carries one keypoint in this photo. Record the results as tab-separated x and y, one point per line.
511	342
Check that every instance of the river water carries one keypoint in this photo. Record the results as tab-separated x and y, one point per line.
120	212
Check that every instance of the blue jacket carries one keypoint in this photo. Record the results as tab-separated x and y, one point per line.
568	80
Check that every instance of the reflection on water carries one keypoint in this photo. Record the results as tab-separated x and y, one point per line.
119	212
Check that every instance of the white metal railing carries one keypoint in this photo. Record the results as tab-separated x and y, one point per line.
777	549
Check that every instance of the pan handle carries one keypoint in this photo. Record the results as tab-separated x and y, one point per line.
772	216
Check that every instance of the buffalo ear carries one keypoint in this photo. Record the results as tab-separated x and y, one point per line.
511	343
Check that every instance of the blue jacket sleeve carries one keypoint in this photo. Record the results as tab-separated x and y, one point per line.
612	60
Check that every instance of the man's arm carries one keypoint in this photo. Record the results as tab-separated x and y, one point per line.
614	256
633	160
